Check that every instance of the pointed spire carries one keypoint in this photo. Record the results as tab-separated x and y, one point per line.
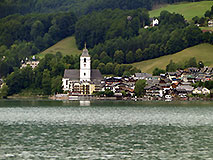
85	51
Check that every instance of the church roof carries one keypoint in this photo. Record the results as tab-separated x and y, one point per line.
74	74
96	75
85	52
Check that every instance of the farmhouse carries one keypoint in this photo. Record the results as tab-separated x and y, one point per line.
34	63
84	81
1	83
210	23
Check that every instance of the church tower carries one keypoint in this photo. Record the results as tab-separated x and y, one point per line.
85	65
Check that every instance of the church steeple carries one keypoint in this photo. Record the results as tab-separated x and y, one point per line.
85	65
85	51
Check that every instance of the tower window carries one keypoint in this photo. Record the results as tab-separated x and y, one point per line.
84	65
85	59
84	74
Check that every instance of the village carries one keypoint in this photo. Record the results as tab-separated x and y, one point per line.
88	83
169	86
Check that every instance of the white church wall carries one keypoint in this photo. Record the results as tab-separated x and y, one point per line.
85	69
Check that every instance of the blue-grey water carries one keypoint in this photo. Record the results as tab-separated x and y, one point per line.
33	129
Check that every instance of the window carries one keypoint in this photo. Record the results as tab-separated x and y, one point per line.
84	65
84	74
85	60
66	82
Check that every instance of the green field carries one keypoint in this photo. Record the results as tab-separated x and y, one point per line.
203	52
188	10
207	28
66	46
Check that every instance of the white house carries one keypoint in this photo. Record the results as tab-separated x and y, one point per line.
34	63
1	83
155	22
210	23
201	90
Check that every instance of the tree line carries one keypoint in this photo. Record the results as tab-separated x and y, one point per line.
122	40
80	7
172	66
203	21
26	35
46	79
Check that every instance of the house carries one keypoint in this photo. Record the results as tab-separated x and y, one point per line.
171	75
1	83
153	91
210	23
34	63
144	76
186	88
201	90
154	22
85	81
154	80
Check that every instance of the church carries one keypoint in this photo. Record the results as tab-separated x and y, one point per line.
85	81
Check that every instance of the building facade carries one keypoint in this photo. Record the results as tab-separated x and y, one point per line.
85	81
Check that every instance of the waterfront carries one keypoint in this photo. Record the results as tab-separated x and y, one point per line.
32	129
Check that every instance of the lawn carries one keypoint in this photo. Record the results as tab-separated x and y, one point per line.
66	46
207	28
203	52
187	9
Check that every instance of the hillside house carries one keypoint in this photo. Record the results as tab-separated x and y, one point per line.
32	63
1	83
201	90
210	23
154	22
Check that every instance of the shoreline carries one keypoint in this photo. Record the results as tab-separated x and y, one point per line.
93	98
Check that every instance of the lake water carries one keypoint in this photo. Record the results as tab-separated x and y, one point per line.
31	129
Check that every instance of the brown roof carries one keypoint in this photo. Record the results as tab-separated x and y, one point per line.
74	74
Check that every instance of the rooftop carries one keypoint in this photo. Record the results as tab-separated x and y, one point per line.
74	74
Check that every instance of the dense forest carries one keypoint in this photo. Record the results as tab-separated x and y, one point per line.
114	33
80	7
124	40
25	35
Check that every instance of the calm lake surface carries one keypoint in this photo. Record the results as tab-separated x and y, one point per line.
39	129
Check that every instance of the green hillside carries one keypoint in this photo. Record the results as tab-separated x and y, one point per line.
188	10
203	52
66	46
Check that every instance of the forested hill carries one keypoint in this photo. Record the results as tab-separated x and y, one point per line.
8	7
116	34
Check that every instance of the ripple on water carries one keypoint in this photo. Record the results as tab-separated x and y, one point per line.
106	132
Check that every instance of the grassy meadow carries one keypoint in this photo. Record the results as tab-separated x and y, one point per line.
188	10
66	46
207	28
203	52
